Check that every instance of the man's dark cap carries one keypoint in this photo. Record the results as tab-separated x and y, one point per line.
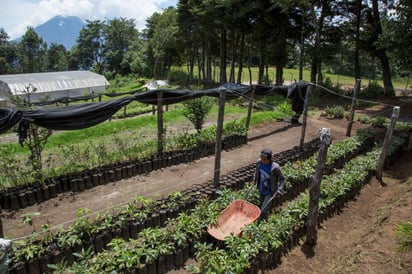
267	153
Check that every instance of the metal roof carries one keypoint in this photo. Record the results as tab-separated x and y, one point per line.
17	84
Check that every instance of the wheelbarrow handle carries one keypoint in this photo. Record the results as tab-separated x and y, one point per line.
248	190
278	192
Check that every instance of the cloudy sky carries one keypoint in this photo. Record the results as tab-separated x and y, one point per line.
17	15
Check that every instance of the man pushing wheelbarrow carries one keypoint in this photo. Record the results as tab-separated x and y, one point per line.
269	179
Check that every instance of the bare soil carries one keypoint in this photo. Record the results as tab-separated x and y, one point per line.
359	240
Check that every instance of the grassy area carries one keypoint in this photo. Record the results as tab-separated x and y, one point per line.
292	74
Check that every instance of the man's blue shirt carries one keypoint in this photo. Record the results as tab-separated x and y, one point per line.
264	175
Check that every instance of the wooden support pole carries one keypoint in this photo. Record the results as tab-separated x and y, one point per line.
249	110
1	225
314	188
159	122
352	108
305	115
219	130
386	142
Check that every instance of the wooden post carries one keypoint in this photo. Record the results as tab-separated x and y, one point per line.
388	136
314	188
219	129
305	115
1	225
249	110
352	108
159	122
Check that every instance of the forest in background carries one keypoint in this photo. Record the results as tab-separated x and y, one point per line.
219	41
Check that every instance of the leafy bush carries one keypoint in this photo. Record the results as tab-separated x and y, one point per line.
379	121
373	90
364	119
336	112
196	111
327	83
125	83
234	128
178	77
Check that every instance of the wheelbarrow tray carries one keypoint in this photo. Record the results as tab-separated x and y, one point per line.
233	218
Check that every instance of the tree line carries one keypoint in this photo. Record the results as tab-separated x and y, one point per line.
220	40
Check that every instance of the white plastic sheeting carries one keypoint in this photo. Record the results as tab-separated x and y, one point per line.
41	84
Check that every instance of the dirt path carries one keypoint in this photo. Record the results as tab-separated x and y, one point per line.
278	136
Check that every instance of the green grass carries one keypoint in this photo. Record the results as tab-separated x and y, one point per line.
290	74
102	132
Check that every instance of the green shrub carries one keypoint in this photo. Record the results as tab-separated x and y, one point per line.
379	121
196	111
125	83
336	112
364	119
178	77
327	83
373	90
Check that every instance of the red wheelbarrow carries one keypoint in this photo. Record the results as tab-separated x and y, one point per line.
234	217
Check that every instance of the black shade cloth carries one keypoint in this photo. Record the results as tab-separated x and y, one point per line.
90	114
297	94
75	117
8	118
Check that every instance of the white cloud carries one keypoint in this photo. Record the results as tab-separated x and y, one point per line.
17	15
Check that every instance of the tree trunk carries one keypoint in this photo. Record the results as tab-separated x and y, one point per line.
203	61
250	74
190	62
1	227
317	59
313	71
302	48
281	61
386	73
199	61
320	75
209	62
223	78
279	75
240	70
357	39
381	53
261	70
234	39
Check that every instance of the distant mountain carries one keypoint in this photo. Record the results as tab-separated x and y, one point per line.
60	30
